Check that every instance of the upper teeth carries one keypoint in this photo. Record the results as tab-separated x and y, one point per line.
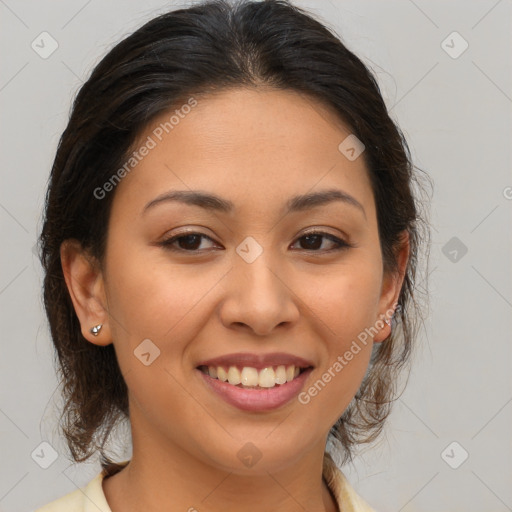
266	378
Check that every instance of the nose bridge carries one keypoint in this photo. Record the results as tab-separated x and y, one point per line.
258	294
256	268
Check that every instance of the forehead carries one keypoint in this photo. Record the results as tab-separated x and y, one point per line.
255	146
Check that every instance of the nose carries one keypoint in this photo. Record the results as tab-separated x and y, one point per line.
259	297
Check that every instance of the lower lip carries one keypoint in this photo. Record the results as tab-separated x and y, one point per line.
257	399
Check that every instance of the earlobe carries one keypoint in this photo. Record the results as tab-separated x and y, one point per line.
391	288
85	284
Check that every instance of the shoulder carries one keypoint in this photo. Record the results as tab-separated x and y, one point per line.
87	499
346	497
72	502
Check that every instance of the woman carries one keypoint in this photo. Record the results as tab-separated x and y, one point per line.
230	247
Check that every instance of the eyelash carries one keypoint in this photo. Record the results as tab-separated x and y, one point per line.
341	244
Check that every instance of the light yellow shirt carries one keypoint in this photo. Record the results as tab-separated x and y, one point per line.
91	497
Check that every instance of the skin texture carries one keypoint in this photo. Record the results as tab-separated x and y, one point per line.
256	148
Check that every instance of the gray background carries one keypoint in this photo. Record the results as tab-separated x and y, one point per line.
455	113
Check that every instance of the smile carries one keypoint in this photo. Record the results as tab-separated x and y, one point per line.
252	378
256	398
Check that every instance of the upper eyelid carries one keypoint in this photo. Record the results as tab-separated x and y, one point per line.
318	231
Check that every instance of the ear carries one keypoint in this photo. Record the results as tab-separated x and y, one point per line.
85	284
391	287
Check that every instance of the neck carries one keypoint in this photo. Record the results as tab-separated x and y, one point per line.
171	478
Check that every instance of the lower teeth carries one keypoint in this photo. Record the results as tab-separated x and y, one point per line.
254	387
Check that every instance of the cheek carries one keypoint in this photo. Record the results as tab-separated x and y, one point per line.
346	298
150	298
160	303
345	303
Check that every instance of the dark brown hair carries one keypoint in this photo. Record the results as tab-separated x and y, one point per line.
210	47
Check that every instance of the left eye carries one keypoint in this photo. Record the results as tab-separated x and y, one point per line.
313	241
188	242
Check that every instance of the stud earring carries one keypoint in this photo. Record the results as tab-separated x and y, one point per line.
388	321
96	329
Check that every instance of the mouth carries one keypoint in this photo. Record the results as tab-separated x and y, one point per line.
248	377
255	382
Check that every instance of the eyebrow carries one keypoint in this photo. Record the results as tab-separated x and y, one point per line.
213	202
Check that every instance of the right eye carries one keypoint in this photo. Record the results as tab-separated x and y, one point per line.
188	242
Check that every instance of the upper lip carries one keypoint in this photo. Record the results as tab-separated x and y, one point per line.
258	361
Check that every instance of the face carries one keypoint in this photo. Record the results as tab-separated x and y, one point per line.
261	277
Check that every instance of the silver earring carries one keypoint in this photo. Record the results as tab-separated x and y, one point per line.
388	321
96	329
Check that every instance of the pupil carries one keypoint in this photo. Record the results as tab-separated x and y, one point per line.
187	238
313	245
